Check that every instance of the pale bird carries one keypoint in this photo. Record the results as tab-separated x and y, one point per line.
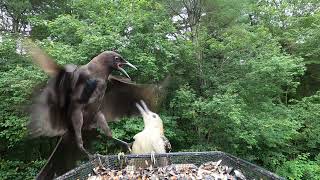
151	139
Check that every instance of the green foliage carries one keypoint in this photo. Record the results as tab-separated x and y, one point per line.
13	94
300	168
306	113
19	169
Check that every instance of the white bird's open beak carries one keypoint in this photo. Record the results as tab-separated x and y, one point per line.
143	109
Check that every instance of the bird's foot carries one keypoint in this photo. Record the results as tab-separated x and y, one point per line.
99	167
123	143
120	155
99	160
153	159
96	156
90	156
129	146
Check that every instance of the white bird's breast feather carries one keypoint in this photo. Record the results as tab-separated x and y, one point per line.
147	141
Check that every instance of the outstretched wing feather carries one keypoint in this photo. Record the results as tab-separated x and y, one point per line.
122	94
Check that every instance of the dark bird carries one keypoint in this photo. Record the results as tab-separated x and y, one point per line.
79	99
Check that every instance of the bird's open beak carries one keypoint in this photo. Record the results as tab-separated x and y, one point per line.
143	109
123	71
131	65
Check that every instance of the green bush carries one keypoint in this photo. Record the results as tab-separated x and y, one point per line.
301	168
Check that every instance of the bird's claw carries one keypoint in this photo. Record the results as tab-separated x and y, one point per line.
123	143
90	156
97	155
121	154
100	162
129	148
93	157
153	159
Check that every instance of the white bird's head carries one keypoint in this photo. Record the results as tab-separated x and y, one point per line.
150	119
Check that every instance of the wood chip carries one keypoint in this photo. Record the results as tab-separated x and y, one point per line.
209	170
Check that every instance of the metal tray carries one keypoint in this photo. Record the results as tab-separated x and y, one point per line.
250	170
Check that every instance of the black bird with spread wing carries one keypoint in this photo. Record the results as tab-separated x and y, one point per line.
79	99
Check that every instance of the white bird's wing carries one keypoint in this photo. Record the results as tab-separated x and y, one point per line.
158	145
142	143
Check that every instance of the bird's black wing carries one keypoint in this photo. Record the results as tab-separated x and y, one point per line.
89	87
166	144
48	112
122	94
49	109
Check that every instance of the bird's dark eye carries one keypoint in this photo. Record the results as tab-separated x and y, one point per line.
154	116
116	58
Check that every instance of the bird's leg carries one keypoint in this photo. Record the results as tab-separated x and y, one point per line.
120	155
153	159
77	121
99	161
102	123
123	142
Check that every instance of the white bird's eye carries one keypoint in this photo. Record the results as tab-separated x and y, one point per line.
154	116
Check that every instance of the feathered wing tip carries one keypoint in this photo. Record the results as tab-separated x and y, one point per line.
160	91
154	94
42	59
122	95
165	83
50	104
